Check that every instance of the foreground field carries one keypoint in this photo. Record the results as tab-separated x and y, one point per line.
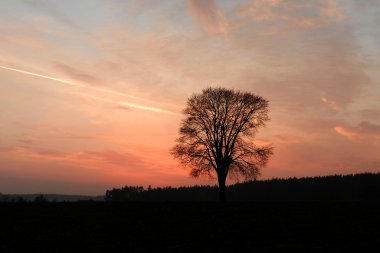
101	226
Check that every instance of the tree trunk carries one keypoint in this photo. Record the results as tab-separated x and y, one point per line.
222	188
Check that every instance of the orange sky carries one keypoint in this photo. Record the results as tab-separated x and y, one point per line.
91	91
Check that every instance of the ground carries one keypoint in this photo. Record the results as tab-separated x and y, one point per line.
204	227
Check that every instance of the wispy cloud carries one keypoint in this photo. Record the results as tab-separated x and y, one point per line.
50	8
100	89
121	159
352	135
362	130
291	13
331	103
30	140
125	104
89	158
210	18
77	74
43	76
121	107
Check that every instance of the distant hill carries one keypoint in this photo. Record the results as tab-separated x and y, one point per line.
357	187
48	197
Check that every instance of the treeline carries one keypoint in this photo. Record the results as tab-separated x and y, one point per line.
47	198
356	187
18	198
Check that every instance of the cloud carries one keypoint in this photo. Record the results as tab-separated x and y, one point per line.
50	131
299	70
287	139
362	130
30	140
370	113
331	9
369	128
84	158
328	156
126	160
53	11
98	89
126	104
121	107
36	153
352	135
331	103
291	13
10	149
77	74
209	17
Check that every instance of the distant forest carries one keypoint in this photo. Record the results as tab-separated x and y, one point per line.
47	198
358	187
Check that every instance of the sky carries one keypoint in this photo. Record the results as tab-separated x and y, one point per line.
91	91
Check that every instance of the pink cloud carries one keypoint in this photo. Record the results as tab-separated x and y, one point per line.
331	103
362	130
290	13
369	128
29	140
331	9
210	18
10	149
120	107
346	132
287	139
126	160
77	74
38	153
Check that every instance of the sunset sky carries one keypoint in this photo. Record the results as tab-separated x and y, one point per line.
91	91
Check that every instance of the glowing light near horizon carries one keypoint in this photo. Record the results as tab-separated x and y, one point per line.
99	89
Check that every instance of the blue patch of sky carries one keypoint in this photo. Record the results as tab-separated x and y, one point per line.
364	20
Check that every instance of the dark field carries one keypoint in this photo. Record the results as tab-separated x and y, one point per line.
209	226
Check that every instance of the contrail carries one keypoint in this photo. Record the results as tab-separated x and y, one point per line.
122	103
43	76
104	90
69	82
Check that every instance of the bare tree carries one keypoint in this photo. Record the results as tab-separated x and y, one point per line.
216	135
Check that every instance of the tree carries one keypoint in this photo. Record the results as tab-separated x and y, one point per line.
40	198
216	135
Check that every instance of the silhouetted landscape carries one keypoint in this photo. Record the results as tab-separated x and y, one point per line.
357	187
190	226
47	198
328	188
332	212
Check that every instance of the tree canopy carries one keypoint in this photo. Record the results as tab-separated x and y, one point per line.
216	135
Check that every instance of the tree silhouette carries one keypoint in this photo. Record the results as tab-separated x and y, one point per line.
216	136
